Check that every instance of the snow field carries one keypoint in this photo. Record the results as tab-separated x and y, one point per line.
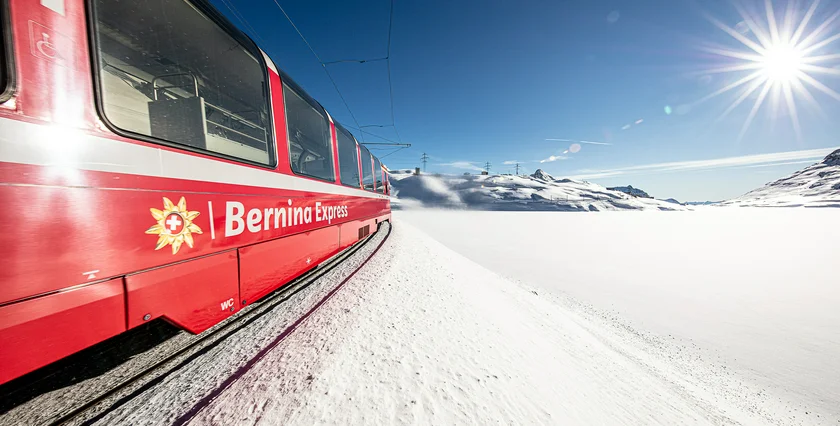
422	335
752	293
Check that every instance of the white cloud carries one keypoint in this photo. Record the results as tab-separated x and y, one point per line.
553	158
744	160
625	127
573	140
466	165
511	162
639	121
596	175
757	160
595	143
783	163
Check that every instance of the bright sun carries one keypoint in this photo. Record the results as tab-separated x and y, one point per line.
781	63
778	60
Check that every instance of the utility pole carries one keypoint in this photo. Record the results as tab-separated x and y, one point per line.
517	169
424	159
487	167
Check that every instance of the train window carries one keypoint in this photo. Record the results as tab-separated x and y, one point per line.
167	71
377	174
3	84
367	172
5	61
310	145
348	160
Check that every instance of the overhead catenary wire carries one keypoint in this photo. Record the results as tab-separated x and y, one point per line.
387	60
323	64
371	134
327	71
361	61
244	21
388	64
391	142
394	152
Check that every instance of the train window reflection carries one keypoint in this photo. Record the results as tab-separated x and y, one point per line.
310	146
5	63
367	172
348	160
377	174
169	72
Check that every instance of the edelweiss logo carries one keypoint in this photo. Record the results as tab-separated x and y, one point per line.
174	225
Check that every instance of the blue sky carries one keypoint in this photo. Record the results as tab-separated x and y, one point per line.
504	81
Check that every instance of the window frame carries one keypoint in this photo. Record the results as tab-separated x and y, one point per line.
212	14
341	129
362	150
380	183
7	90
288	82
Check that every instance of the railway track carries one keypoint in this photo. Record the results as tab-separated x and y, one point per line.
95	408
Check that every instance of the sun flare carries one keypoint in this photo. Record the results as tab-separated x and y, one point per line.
779	60
781	63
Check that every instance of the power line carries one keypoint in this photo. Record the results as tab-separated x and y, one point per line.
299	33
372	134
487	166
387	58
388	62
394	152
321	62
517	169
244	21
424	158
360	61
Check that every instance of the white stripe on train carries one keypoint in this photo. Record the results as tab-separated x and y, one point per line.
69	149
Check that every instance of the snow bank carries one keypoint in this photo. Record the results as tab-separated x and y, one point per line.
428	190
539	191
754	289
814	186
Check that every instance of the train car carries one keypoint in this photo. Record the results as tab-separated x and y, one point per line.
156	164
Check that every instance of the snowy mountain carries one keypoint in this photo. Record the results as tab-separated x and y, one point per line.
814	186
636	192
543	176
399	174
702	203
539	191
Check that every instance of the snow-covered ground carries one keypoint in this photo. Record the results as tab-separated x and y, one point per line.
756	291
424	335
537	192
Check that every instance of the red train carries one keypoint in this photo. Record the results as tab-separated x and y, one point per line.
155	163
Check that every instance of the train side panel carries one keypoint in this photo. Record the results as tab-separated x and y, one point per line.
193	295
39	331
102	232
265	267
